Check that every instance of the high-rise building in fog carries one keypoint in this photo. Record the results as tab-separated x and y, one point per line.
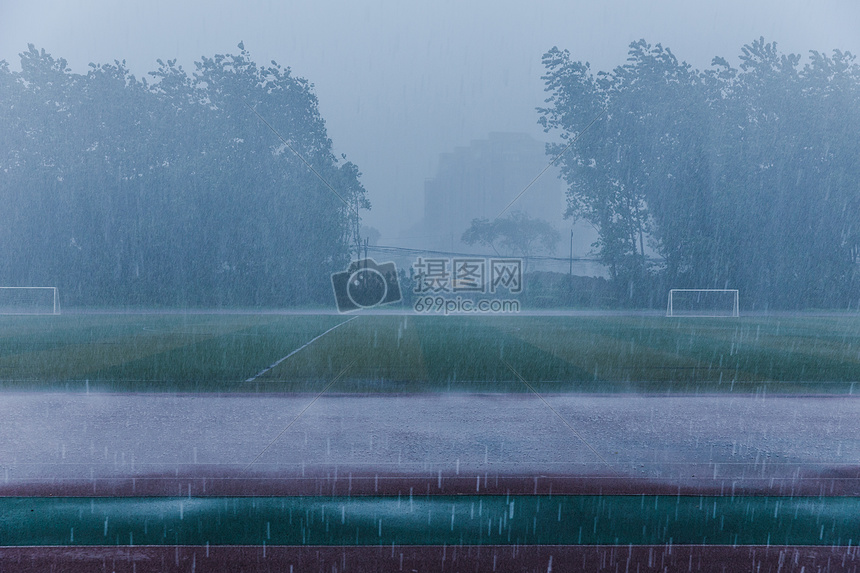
482	179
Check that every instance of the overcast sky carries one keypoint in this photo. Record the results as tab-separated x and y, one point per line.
400	82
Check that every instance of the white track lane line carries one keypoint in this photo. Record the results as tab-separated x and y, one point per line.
305	345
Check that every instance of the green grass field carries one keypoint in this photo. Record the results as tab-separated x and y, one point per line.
379	353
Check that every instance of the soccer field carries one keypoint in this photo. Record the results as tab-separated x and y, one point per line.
392	353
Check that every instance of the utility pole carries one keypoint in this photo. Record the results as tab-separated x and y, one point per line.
357	230
570	266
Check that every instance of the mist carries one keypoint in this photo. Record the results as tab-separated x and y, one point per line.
399	84
394	286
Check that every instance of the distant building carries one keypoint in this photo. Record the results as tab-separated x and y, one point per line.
480	180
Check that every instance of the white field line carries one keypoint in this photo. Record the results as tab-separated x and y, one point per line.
305	345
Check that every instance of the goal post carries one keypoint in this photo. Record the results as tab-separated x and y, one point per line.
703	302
29	300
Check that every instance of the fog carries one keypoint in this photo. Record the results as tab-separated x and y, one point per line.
200	154
401	83
303	278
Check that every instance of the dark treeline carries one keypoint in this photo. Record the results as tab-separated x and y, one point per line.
742	178
170	191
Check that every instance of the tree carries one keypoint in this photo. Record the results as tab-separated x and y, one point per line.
517	234
723	178
173	191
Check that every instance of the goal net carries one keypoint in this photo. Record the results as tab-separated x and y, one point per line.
29	300
702	302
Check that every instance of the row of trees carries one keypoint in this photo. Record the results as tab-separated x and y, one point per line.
727	177
171	191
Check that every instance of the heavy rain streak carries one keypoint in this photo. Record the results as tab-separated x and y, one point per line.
376	286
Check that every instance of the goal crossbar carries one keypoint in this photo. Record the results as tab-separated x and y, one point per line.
698	313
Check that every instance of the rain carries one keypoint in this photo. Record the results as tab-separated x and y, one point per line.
377	286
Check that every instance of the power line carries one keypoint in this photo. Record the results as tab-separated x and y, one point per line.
408	251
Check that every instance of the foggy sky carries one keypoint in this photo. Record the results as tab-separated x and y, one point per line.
401	82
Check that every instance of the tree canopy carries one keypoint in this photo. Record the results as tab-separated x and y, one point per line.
171	191
517	234
720	178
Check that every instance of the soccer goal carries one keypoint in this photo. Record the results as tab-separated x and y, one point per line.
702	302
29	300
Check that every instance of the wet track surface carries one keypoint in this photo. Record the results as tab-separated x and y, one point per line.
538	559
178	482
78	444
